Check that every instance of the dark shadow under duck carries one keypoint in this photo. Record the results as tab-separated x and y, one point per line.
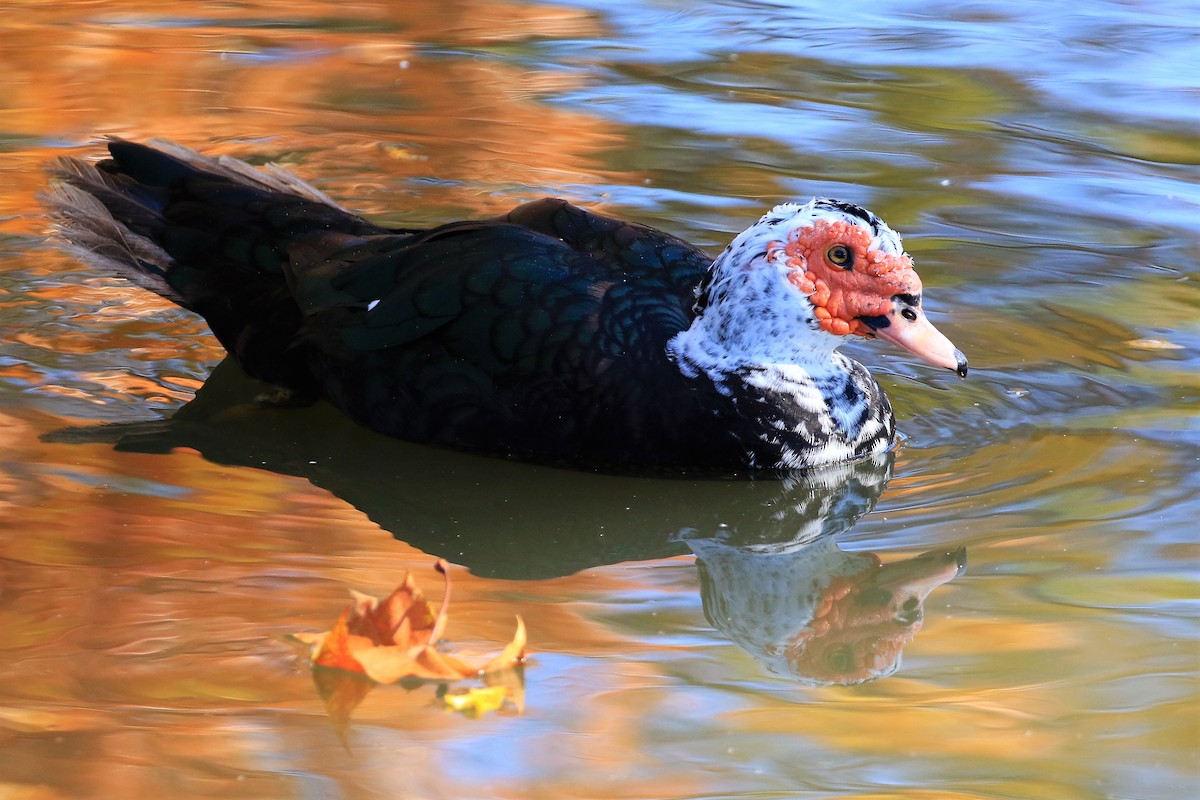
499	518
549	334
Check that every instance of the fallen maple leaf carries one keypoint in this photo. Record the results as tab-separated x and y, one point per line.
395	639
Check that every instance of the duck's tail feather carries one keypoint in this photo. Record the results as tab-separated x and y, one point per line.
159	214
81	202
213	235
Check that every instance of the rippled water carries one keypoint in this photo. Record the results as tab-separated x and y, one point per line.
690	638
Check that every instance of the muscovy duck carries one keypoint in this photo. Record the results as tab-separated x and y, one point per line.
550	334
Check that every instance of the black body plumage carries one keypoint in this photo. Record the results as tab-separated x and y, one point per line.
542	334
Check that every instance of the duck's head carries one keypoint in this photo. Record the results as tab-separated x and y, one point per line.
819	271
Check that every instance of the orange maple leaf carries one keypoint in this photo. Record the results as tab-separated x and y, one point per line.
395	638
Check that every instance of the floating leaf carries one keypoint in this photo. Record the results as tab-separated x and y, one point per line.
476	701
395	639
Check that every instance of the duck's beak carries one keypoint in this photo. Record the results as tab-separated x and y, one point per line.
908	327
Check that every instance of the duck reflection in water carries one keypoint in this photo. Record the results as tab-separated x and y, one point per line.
808	610
772	576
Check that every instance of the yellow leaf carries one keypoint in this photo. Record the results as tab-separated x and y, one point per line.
476	701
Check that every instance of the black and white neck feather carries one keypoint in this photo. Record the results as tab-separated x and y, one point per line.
757	341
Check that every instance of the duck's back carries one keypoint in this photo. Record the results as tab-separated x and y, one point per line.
541	334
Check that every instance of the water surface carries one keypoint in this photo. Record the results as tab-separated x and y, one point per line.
1041	162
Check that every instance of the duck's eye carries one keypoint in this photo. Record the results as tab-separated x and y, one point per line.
840	256
840	659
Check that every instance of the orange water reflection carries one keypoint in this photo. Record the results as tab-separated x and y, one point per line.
161	590
146	598
378	89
